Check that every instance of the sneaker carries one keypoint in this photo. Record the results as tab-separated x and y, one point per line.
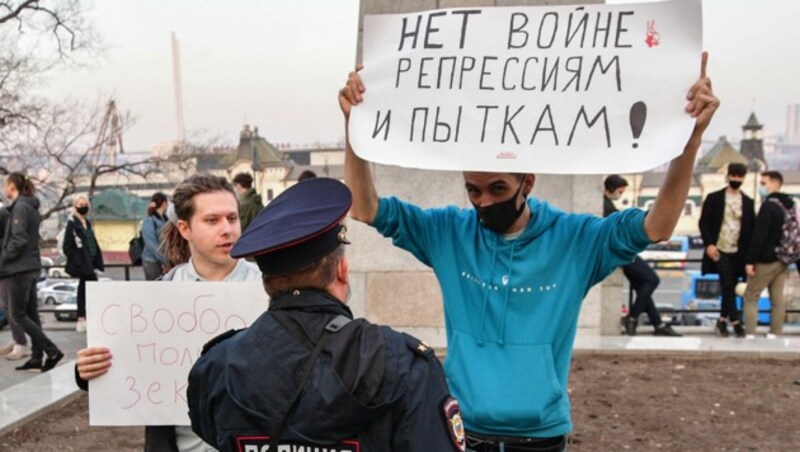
722	328
19	352
51	361
630	326
80	327
666	330
8	348
750	336
771	336
32	365
738	329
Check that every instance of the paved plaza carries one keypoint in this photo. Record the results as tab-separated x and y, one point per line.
26	395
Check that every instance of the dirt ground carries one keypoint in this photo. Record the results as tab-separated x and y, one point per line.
620	402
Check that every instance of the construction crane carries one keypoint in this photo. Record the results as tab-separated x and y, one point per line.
109	138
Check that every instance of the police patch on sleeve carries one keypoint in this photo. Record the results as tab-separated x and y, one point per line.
454	424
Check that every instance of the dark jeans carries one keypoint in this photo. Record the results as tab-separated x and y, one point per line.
22	302
82	295
644	281
17	333
727	281
152	270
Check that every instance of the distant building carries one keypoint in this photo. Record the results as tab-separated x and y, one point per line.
719	156
116	215
274	169
709	177
752	145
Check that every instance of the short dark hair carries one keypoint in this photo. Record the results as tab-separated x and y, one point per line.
244	180
774	175
306	175
614	182
22	182
737	169
315	276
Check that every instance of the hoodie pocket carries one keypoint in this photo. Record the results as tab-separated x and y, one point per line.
505	389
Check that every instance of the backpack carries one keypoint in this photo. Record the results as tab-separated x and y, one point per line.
788	251
135	250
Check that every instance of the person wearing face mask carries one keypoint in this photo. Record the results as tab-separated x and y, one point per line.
767	266
306	375
84	256
513	273
726	226
643	279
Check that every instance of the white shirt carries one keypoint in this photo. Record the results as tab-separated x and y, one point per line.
244	271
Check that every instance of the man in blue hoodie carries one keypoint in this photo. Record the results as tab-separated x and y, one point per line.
513	274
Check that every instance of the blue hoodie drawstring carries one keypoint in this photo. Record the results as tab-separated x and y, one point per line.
502	340
486	296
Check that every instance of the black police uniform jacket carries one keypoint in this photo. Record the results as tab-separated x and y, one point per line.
372	388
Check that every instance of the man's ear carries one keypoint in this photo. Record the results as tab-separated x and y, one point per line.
184	229
527	184
343	271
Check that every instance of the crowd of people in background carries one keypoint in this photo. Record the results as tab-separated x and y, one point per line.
743	249
739	246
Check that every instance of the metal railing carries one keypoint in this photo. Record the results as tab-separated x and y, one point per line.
126	267
46	270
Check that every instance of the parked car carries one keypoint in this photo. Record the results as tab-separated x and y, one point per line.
703	292
53	272
676	248
57	293
68	310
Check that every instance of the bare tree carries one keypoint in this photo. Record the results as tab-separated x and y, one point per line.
35	36
57	143
60	149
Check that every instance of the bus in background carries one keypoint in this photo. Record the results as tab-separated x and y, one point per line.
703	293
676	248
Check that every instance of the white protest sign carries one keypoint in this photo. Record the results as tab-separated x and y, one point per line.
552	89
155	331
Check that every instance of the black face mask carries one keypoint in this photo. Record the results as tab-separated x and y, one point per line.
735	184
500	216
83	210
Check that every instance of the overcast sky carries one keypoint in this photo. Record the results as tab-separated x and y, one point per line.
278	64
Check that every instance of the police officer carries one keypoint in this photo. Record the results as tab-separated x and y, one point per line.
306	374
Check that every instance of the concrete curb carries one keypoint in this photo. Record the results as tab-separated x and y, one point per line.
27	401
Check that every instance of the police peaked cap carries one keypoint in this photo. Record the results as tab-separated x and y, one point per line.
298	227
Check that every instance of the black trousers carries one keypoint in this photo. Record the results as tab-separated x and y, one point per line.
726	265
152	270
644	282
82	294
24	311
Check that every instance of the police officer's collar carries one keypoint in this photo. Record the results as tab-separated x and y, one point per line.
310	300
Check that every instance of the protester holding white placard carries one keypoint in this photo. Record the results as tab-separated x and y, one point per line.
513	274
307	376
203	227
